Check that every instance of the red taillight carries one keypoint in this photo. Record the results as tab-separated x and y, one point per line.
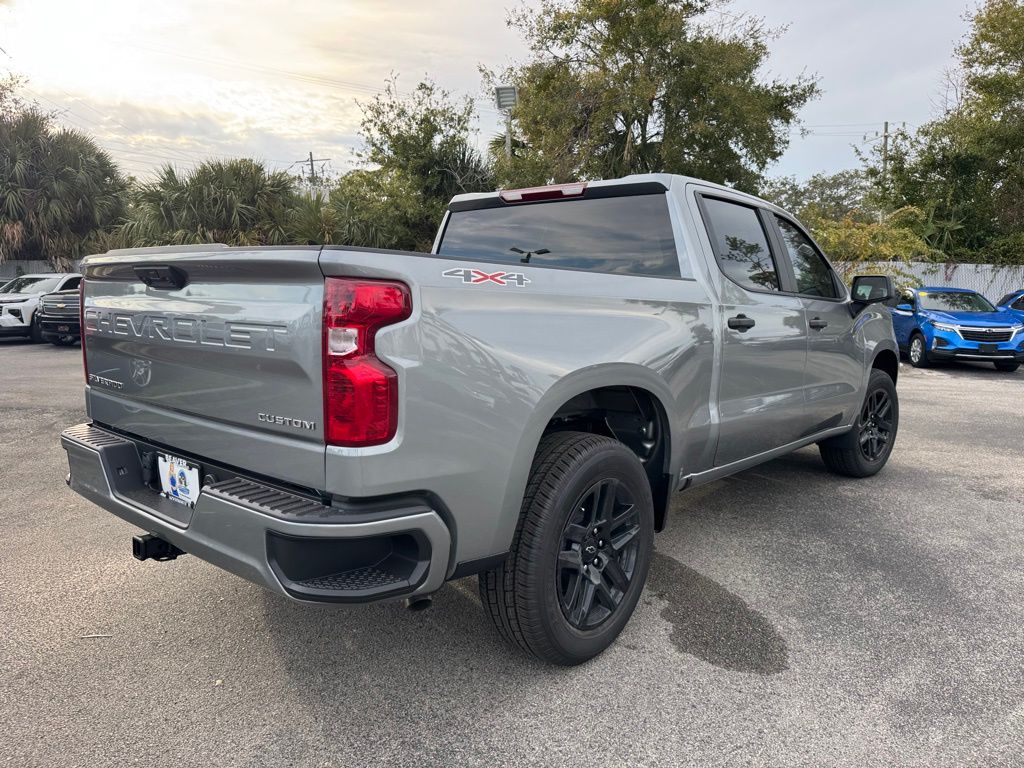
551	192
360	392
81	327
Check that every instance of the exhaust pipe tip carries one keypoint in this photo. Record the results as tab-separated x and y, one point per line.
419	603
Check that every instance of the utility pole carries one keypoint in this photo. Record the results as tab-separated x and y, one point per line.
312	169
885	135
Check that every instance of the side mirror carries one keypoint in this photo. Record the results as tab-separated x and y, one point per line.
871	289
905	307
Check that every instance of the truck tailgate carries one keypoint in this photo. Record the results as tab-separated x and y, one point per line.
211	351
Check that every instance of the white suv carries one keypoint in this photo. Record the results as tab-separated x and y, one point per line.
19	300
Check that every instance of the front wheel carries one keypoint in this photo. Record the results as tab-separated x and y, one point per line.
918	352
35	332
1006	366
581	551
866	448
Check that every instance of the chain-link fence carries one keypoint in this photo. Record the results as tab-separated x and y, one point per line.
989	280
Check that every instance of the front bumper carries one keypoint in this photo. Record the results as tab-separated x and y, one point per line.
52	325
949	345
289	543
13	323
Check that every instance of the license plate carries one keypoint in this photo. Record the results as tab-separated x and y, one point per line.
64	328
988	349
179	480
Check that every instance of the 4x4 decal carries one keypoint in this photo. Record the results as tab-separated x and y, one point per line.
479	277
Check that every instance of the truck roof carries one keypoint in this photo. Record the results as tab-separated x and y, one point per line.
667	180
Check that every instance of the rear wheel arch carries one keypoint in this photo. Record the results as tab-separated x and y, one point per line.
635	417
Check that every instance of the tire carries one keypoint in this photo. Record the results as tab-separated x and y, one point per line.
1006	366
866	448
35	331
538	598
918	355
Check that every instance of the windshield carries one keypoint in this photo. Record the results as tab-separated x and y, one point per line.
955	302
31	285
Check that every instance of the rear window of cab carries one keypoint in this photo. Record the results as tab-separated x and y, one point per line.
629	235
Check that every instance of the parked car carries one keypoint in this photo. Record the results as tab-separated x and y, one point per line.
1013	302
351	424
57	317
19	300
934	324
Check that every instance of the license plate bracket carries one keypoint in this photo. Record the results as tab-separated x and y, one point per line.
988	349
179	479
64	328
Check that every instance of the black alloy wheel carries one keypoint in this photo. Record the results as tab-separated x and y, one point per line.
875	424
598	554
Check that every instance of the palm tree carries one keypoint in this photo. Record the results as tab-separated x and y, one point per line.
58	189
237	202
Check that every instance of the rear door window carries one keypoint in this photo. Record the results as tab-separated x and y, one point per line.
629	235
741	244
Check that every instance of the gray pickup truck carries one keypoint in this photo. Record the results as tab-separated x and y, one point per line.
346	424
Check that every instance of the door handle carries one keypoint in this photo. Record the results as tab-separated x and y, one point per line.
817	323
741	323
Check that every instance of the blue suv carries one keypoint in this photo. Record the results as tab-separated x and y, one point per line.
933	324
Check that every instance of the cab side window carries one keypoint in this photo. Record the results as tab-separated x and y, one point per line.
813	274
71	284
741	245
1018	304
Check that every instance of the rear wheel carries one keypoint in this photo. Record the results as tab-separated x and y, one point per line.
866	448
1007	366
918	352
580	554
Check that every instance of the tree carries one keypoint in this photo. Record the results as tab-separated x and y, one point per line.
237	202
58	189
824	195
420	148
630	86
965	169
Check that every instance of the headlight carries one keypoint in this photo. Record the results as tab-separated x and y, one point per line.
946	327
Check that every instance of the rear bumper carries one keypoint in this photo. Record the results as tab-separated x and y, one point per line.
291	544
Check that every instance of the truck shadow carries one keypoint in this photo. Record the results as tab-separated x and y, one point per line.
710	622
707	622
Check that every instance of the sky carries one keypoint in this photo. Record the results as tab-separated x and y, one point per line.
177	81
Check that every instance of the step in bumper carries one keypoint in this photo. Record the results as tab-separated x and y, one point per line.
292	544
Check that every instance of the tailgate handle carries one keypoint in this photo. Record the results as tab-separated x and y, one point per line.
163	277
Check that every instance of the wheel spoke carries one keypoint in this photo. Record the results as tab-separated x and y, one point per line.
621	539
604	595
616	575
608	490
585	600
571	559
575	533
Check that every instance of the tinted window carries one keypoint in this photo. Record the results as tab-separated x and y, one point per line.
72	283
1004	300
1019	303
621	235
741	245
813	275
942	301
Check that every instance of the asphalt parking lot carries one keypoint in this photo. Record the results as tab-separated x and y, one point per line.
791	618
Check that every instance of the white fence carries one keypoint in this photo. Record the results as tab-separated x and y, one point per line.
987	279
